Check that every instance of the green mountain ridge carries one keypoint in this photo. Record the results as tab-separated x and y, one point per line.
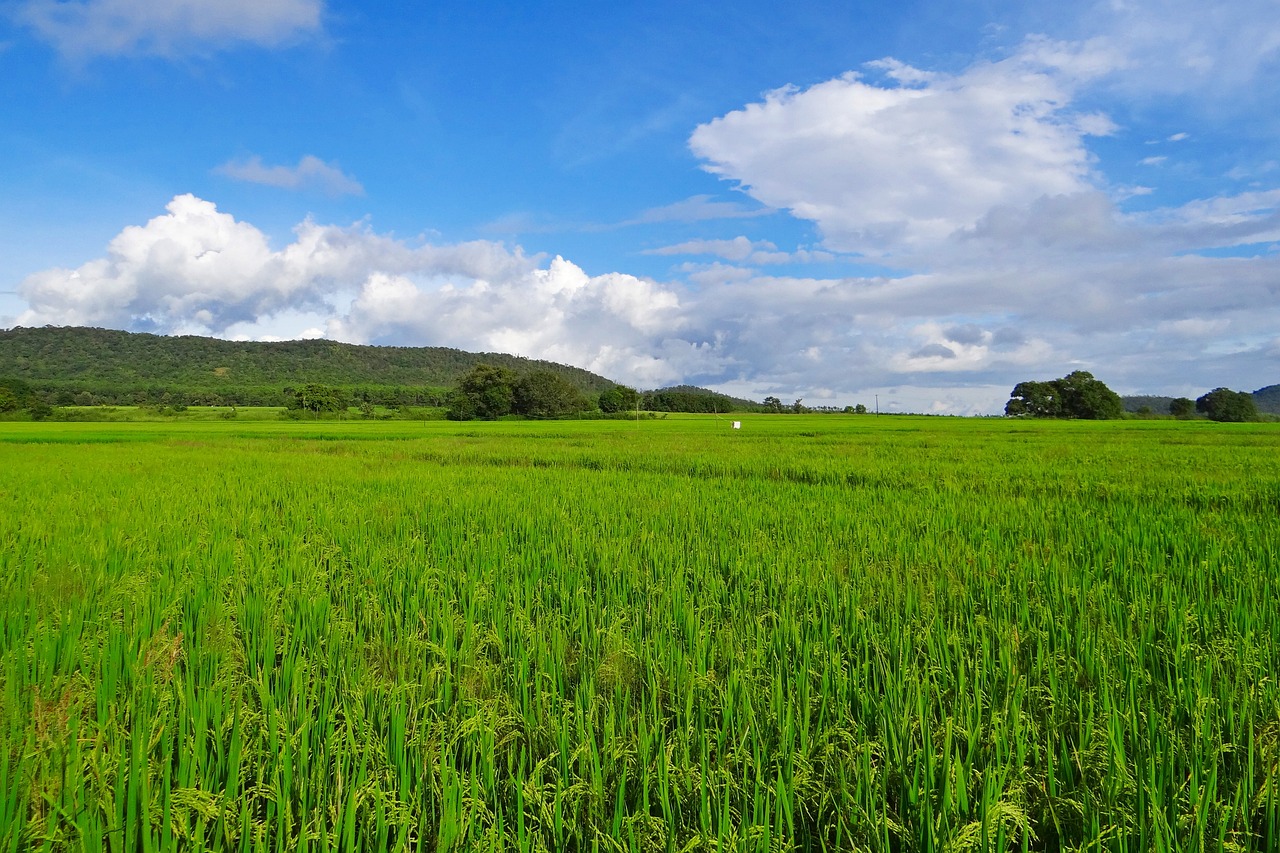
1268	399
78	364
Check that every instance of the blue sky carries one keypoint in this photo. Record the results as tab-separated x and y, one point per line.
924	201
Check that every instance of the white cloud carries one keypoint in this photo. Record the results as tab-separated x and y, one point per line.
83	29
1179	46
741	250
615	324
698	208
1152	161
737	249
198	270
883	168
310	173
1024	264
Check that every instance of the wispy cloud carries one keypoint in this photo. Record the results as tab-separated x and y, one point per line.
698	208
83	29
311	173
741	250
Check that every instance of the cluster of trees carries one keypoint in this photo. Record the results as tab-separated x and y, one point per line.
1080	395
1076	395
619	398
1222	404
687	398
487	392
16	396
318	399
776	406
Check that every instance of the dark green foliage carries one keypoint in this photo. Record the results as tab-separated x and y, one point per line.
1034	399
1137	402
319	399
1223	404
1182	407
16	395
688	398
543	394
124	368
619	398
1089	398
1076	395
485	392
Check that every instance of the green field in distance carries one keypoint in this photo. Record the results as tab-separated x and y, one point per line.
812	633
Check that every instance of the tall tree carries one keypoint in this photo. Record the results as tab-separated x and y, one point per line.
543	394
1223	404
619	398
316	398
484	392
1089	398
1076	395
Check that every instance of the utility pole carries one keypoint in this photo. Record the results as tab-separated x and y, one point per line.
877	404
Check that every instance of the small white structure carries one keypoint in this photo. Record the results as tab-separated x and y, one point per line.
737	424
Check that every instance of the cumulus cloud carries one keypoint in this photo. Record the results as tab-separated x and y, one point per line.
615	324
886	167
1018	258
196	269
310	173
83	29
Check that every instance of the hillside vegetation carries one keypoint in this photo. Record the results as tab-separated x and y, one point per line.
1268	399
108	366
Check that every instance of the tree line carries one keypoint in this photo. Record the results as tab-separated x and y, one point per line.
1080	395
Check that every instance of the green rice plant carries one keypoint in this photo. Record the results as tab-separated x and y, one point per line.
815	633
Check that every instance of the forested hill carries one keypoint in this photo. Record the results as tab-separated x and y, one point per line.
1268	399
118	367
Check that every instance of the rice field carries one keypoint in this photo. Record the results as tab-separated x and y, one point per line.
815	633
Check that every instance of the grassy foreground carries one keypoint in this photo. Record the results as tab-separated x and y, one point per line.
840	633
